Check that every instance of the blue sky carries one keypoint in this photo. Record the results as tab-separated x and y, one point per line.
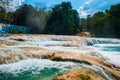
49	3
84	7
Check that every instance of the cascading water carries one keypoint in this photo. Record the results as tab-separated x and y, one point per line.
44	69
110	51
37	69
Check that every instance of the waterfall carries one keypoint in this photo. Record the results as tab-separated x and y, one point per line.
24	52
43	68
92	41
8	28
34	68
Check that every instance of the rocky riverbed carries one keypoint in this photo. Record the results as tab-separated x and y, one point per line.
93	60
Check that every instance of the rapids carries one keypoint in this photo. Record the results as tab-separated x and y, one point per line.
21	56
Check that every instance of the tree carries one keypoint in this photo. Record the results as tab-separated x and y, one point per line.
37	21
115	18
88	22
63	20
106	24
2	14
5	4
34	19
97	23
22	13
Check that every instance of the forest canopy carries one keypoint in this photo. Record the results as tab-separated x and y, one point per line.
104	24
64	20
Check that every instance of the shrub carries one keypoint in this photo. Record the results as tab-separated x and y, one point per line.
14	31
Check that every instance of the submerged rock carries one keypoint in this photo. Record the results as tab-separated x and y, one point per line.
85	74
73	75
18	39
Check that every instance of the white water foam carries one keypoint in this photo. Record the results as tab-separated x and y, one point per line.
99	70
41	64
107	45
112	56
31	64
55	44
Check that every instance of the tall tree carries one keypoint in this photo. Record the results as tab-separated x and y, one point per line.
5	4
22	13
115	18
34	19
63	20
97	23
88	22
2	14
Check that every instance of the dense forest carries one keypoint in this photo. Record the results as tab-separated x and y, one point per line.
64	20
104	24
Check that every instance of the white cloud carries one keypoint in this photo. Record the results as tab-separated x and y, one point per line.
93	6
87	7
83	13
13	4
88	2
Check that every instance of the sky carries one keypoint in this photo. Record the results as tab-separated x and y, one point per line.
84	7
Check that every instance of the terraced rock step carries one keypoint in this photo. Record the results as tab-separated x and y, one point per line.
88	59
14	48
85	74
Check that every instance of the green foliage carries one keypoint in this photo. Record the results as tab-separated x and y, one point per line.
22	13
14	31
26	15
88	26
63	20
115	18
4	4
104	24
97	23
85	23
2	14
34	19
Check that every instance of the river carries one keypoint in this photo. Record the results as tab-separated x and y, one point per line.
37	68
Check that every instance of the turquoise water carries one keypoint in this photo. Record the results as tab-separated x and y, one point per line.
42	69
34	69
108	47
112	48
46	74
111	52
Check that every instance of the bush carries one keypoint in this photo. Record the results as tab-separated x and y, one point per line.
14	31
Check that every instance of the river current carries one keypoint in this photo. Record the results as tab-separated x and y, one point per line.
44	69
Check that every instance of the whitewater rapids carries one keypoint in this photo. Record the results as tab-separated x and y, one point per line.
22	50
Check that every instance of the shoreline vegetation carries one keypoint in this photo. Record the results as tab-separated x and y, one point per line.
62	19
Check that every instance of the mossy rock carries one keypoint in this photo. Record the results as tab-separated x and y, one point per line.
84	77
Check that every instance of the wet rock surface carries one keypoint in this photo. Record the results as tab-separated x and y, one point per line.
14	48
84	74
